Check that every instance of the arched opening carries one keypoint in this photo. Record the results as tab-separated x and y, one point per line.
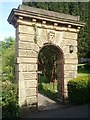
50	72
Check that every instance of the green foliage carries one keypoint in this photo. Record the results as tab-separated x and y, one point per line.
35	34
78	90
47	59
48	89
7	43
10	106
8	55
84	69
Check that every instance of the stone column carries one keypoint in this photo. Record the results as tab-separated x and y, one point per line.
70	58
26	65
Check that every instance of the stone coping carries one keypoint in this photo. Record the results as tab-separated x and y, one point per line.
44	15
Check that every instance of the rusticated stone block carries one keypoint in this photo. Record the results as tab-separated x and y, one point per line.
26	29
70	67
28	46
19	60
30	92
70	56
26	67
31	83
59	74
59	88
70	35
31	100
29	75
70	74
25	37
71	61
27	53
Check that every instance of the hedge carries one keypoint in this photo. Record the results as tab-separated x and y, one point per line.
78	90
10	107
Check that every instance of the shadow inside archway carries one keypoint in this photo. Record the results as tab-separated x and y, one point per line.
45	103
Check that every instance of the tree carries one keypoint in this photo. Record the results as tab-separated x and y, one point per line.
8	55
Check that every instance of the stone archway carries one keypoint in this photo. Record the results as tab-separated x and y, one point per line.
34	28
59	68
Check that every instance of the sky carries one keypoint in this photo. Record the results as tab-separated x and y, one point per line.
6	29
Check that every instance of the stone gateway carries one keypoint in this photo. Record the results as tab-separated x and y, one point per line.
35	30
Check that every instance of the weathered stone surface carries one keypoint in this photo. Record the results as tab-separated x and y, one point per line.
28	53
28	46
31	83
26	29
60	81
70	67
29	75
71	61
26	67
30	92
25	37
65	91
26	60
70	35
59	88
59	67
70	74
70	56
59	74
31	100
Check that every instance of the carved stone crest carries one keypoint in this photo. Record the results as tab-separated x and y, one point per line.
51	36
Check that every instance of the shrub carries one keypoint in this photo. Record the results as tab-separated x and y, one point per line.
10	106
78	90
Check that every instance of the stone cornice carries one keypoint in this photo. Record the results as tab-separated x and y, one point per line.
43	15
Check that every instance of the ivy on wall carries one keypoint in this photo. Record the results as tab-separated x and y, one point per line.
35	35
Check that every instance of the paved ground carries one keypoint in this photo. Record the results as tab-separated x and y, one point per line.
44	103
51	109
66	112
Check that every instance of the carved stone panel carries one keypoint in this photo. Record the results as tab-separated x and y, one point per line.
51	36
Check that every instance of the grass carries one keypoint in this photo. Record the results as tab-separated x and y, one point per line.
50	89
83	70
